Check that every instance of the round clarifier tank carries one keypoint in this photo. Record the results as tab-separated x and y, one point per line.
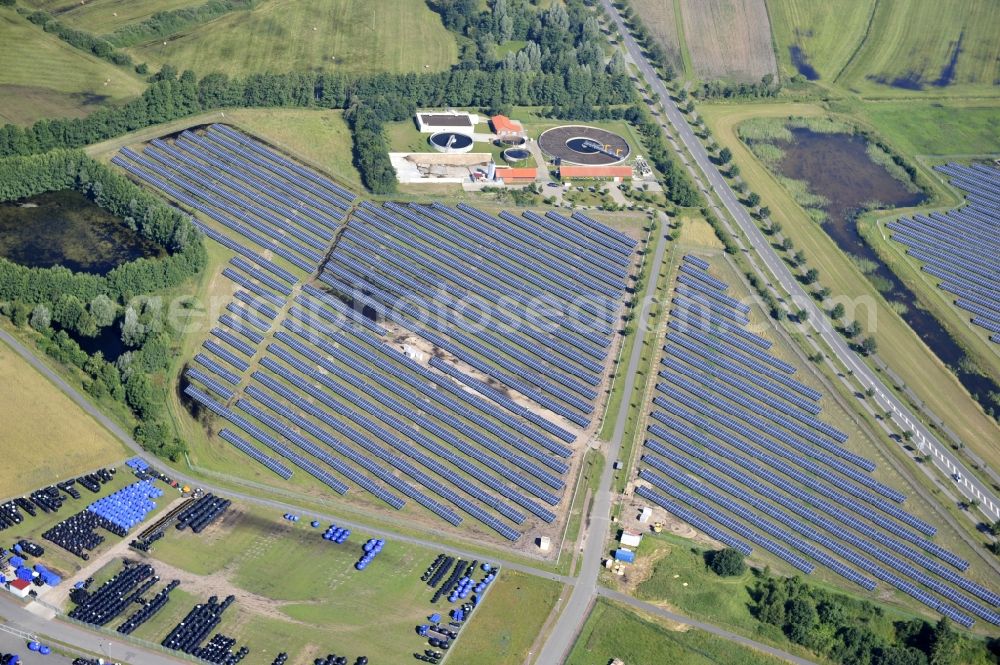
516	155
451	142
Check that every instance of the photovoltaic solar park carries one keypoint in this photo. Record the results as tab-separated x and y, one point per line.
961	247
737	447
424	355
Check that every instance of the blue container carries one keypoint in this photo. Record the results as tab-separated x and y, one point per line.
44	650
16	561
626	556
33	646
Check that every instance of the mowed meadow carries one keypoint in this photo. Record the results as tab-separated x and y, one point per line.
311	35
101	17
893	48
45	436
43	77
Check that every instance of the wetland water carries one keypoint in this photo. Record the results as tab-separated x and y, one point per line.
65	228
837	167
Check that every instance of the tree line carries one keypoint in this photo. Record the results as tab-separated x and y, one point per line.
846	630
63	306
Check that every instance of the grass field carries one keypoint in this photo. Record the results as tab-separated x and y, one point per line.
312	35
661	17
503	631
612	631
298	593
104	16
942	46
952	127
42	76
827	34
898	345
728	39
45	426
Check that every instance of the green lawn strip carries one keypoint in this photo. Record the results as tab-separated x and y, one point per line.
688	72
590	477
615	631
502	631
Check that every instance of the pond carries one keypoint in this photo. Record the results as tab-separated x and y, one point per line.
65	228
837	167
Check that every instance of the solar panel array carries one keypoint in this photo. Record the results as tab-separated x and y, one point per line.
522	304
736	448
961	247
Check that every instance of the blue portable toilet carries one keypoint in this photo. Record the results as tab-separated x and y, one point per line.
625	556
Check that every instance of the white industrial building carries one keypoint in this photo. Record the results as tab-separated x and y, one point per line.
459	122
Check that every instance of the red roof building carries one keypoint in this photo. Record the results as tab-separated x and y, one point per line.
514	176
20	588
504	125
595	172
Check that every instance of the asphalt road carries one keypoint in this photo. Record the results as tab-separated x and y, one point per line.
575	611
942	456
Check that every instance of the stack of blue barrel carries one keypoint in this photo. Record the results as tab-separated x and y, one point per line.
129	506
290	517
46	575
336	534
137	463
372	548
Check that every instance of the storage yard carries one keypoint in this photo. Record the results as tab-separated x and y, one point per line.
746	487
224	582
387	346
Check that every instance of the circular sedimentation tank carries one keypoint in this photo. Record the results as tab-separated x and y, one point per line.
583	145
451	142
516	155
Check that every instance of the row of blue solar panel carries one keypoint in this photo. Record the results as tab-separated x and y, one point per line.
260	178
268	461
416	435
560	314
263	437
695	315
574	262
685	458
589	370
449	295
511	261
366	369
253	287
244	315
256	189
396	443
413	370
244	201
255	145
598	313
217	368
415	416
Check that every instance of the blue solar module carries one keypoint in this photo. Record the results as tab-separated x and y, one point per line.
306	173
234	341
250	254
417	417
413	434
260	179
713	294
235	324
691	452
695	261
209	382
256	305
303	463
244	315
254	288
268	461
253	188
736	526
715	307
266	280
333	303
226	354
395	442
216	368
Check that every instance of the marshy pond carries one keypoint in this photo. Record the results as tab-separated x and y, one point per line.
66	228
